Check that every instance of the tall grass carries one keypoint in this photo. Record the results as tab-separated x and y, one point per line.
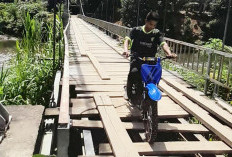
30	76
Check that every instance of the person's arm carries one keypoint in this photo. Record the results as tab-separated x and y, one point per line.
128	42
165	46
167	50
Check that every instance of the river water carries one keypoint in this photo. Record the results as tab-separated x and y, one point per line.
7	50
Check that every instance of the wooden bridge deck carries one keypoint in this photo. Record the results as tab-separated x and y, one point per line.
97	75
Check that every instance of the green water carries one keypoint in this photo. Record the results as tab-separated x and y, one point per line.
7	46
7	49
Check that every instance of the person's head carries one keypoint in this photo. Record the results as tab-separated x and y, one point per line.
151	20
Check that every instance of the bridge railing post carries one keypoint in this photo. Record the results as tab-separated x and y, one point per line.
63	140
207	77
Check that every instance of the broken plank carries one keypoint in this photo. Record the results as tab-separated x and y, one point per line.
98	67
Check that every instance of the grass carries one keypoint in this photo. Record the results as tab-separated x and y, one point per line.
29	78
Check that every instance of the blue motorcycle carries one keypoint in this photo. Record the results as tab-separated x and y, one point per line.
151	72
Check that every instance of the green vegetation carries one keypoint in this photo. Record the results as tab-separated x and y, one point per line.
198	81
29	78
194	21
189	76
11	16
216	44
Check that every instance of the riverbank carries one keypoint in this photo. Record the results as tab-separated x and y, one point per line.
7	37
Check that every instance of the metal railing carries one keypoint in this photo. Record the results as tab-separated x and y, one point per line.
214	66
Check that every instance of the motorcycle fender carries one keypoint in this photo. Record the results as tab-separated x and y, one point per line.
153	92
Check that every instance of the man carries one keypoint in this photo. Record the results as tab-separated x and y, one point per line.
143	42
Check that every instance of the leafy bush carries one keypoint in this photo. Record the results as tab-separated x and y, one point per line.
30	76
11	16
216	44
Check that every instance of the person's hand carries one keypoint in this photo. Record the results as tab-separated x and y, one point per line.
126	54
172	55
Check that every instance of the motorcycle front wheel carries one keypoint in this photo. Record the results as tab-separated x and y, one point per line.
150	120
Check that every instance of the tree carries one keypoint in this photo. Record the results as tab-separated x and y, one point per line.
216	24
129	11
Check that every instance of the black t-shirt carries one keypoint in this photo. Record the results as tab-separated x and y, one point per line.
145	44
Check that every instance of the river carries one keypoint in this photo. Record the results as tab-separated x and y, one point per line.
7	49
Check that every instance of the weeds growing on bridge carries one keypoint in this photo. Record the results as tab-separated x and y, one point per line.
29	78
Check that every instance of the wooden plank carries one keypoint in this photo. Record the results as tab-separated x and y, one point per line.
83	103
175	148
90	124
224	105
85	111
79	38
91	94
100	88
64	102
83	78
116	69
95	79
193	147
105	40
84	75
95	156
80	59
98	67
195	110
162	127
108	55
110	60
116	132
102	100
103	82
207	104
186	137
115	73
82	72
83	66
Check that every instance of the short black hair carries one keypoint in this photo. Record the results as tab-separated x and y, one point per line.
152	16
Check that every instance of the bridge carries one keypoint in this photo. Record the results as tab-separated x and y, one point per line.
94	119
92	102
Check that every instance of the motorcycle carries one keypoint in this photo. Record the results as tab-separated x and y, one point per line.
151	72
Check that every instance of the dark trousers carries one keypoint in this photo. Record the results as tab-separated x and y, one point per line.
134	77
